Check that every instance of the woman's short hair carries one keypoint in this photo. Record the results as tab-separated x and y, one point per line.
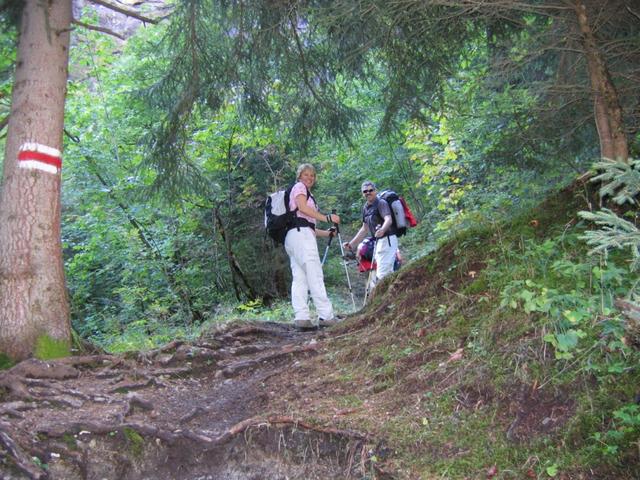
303	168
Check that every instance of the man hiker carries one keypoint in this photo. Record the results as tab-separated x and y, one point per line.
302	248
377	220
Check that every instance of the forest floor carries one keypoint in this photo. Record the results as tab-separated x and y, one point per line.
215	409
433	379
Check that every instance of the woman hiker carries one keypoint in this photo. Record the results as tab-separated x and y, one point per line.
302	248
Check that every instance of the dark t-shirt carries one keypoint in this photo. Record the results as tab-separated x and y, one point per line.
373	215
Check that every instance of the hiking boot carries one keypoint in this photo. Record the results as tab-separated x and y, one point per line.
332	321
303	325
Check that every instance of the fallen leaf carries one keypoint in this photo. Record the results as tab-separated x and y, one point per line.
457	355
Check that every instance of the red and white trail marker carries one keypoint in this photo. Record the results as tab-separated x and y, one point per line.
34	156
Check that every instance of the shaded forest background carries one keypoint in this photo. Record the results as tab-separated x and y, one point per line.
471	110
180	119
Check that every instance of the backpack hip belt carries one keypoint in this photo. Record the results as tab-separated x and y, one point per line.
302	222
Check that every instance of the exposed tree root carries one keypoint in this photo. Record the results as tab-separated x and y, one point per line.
196	412
16	387
171	437
84	410
235	368
135	401
33	368
255	330
279	420
14	408
20	458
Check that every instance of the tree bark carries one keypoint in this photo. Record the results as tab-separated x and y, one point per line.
607	109
33	297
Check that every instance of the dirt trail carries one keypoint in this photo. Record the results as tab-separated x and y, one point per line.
185	411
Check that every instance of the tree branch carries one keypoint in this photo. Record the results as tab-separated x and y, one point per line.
234	265
635	14
124	11
303	65
97	29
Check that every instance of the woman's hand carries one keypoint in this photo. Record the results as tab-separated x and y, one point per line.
333	218
325	233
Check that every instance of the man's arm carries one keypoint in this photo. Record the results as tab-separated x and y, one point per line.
355	241
386	225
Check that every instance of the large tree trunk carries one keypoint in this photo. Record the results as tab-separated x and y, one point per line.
33	298
607	109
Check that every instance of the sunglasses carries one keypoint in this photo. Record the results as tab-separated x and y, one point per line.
368	191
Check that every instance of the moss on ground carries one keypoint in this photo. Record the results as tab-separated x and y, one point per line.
5	362
135	441
48	348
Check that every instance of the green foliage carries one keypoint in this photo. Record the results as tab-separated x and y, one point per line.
469	147
623	432
5	362
254	310
615	232
571	295
47	348
620	181
143	334
555	298
133	257
135	441
70	441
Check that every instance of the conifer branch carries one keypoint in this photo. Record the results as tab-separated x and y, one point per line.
303	64
124	11
616	232
620	181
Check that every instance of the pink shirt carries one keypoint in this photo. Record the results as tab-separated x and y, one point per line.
300	189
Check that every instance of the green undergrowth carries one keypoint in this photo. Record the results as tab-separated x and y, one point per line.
146	334
503	349
135	442
5	362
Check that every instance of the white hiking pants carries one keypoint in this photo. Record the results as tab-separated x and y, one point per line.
385	256
302	248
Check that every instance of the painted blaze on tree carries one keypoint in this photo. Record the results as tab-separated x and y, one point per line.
33	299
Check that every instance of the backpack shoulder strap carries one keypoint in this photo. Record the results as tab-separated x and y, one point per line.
288	196
312	198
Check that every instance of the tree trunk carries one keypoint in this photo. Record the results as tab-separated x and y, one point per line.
33	298
234	265
607	109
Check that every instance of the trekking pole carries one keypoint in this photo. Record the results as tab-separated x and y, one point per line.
371	270
344	262
326	250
